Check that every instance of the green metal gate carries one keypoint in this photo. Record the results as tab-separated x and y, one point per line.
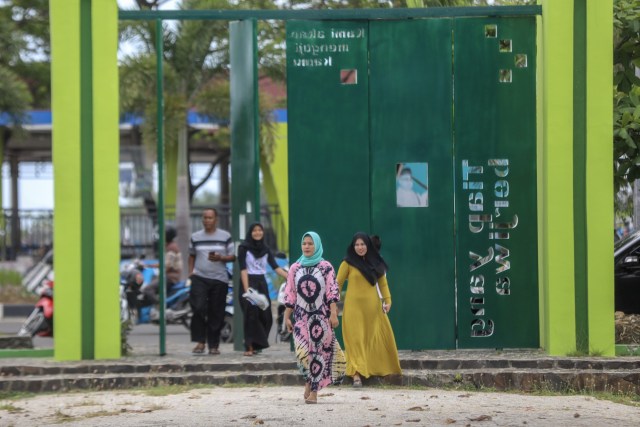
379	142
411	127
495	164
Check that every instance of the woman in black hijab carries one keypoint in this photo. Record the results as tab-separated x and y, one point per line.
369	342
253	256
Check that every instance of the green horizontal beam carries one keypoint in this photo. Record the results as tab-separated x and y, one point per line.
332	14
28	352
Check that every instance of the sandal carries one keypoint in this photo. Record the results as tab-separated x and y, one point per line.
311	400
307	391
357	382
198	349
214	351
248	353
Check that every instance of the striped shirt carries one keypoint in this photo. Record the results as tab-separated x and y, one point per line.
201	244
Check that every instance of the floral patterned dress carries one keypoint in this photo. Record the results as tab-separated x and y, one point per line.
309	292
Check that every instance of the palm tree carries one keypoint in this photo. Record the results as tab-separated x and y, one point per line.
193	53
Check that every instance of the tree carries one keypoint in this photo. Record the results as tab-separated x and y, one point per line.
24	70
626	115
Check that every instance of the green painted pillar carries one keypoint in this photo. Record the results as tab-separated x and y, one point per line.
599	176
84	37
245	151
577	189
557	308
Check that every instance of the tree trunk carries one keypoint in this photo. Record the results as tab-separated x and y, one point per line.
225	198
3	228
171	159
183	211
15	219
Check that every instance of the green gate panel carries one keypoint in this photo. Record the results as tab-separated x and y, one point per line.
328	133
411	127
495	173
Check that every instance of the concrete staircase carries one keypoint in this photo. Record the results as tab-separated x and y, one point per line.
525	371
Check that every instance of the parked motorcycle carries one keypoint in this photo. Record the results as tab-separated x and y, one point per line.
134	276
40	321
282	333
226	333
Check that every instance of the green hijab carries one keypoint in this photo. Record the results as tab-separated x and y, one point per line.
317	255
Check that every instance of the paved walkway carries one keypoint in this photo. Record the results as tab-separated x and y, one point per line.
337	406
278	401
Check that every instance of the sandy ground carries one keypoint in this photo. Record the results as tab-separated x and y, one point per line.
337	406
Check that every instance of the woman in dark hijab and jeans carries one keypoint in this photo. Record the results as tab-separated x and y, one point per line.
253	256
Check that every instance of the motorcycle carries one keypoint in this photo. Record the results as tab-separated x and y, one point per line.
137	274
40	321
282	333
226	333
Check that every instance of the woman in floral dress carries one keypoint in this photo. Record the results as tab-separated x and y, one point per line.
312	295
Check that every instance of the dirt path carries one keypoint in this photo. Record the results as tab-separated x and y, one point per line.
338	406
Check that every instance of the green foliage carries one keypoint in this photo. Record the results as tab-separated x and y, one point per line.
626	114
626	54
626	136
205	199
24	48
15	97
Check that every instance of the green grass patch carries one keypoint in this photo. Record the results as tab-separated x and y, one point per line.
11	289
86	403
10	277
10	408
244	385
61	417
167	390
97	414
15	395
581	353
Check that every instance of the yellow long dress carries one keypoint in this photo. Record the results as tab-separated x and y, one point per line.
369	343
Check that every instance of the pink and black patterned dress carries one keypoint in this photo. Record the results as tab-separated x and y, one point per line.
309	292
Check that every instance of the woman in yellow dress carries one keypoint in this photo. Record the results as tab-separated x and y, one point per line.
368	338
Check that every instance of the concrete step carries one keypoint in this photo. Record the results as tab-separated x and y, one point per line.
58	383
523	363
615	380
407	364
25	370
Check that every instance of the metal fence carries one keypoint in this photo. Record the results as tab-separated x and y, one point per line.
137	230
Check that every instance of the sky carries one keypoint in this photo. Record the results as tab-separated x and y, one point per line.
130	4
35	186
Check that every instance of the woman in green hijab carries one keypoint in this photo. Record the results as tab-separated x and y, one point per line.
312	296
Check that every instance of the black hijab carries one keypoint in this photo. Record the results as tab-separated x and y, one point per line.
257	247
371	265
